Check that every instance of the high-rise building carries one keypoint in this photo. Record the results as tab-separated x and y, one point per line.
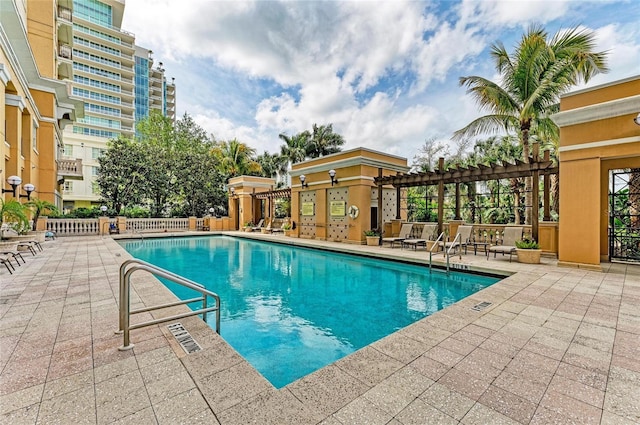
118	84
36	102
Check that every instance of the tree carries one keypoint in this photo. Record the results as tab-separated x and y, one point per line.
200	186
323	141
14	212
123	171
295	147
532	80
235	159
38	207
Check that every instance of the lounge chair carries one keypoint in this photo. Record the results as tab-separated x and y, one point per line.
29	246
405	231
462	239
428	234
13	254
509	238
4	259
259	226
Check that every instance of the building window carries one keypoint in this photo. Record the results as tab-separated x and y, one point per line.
95	171
68	186
34	142
68	150
96	153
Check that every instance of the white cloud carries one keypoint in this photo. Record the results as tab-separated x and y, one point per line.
384	73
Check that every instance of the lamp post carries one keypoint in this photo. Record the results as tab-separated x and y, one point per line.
211	211
332	174
104	210
14	182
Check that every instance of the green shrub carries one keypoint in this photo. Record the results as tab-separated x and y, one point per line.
372	232
527	244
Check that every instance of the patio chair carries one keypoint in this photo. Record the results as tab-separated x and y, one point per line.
509	238
259	226
405	231
428	234
461	240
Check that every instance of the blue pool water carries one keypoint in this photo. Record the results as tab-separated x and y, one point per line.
290	310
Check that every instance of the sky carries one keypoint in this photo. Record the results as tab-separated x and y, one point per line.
384	73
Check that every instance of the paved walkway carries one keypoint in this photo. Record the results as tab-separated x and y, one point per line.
555	346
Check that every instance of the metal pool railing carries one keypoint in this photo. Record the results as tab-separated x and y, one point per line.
128	268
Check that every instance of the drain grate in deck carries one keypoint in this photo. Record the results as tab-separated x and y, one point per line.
188	344
481	306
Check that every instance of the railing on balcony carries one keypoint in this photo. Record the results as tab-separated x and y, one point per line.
65	51
70	168
65	13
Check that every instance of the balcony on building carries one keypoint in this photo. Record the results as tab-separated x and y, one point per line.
70	169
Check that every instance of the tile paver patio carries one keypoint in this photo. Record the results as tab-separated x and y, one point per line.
556	345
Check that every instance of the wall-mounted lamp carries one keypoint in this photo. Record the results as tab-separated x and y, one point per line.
332	174
211	211
637	119
14	182
104	209
303	182
233	191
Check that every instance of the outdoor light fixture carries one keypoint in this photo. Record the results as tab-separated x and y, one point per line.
211	211
302	181
233	191
637	119
15	181
104	209
332	174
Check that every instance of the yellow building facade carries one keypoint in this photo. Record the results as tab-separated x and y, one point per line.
35	102
338	200
598	134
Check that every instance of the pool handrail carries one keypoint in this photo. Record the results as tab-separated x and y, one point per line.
135	264
435	244
453	246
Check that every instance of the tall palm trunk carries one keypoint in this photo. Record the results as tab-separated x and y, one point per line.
528	184
515	189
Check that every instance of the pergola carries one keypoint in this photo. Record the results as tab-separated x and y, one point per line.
534	168
272	195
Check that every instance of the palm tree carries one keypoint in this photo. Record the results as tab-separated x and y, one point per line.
12	211
532	80
236	158
39	206
324	141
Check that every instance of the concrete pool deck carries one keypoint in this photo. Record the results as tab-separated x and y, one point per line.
556	345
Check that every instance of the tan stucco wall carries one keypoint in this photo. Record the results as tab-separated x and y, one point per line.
355	172
597	135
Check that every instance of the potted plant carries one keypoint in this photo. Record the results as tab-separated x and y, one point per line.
286	228
12	213
528	251
38	207
248	226
373	237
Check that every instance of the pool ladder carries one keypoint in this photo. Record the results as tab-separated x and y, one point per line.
447	251
125	327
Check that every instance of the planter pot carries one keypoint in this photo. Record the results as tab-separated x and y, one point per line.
248	229
38	235
529	256
429	245
373	240
287	232
8	246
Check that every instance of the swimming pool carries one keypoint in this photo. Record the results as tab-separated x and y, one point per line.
291	310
